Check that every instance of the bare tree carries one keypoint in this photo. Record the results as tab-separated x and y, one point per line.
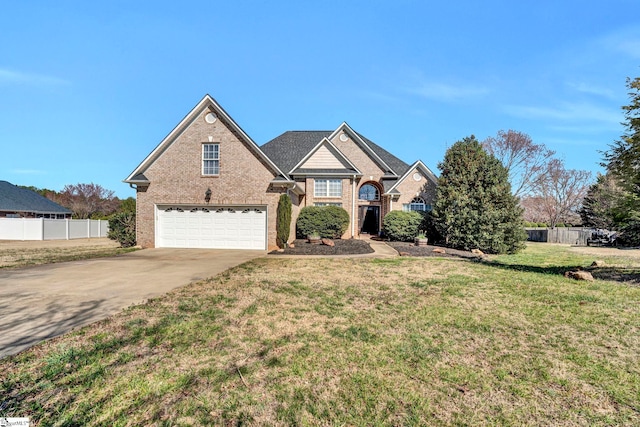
560	191
87	200
533	211
523	159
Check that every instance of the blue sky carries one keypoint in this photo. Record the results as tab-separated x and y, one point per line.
88	89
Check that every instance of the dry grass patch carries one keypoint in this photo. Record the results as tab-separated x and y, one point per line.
350	342
20	254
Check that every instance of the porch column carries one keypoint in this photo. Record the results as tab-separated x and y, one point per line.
353	206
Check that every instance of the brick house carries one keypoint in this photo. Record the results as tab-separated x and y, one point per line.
209	185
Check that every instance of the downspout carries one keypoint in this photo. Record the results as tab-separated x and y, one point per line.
353	206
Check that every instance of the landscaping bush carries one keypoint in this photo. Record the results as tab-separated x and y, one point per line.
122	228
328	221
283	220
402	226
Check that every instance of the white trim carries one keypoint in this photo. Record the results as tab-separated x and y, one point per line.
328	195
333	174
353	206
206	102
205	160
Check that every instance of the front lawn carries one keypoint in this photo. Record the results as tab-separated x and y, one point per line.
14	254
404	341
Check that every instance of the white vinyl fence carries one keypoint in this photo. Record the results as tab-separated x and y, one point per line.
51	229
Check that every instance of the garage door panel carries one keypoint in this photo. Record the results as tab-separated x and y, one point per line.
219	228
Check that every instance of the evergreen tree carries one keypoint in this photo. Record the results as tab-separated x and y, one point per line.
606	204
474	207
623	161
283	220
623	158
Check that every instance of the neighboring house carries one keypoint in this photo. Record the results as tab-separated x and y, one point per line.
209	185
17	202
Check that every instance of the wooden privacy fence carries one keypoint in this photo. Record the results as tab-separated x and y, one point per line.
51	229
569	235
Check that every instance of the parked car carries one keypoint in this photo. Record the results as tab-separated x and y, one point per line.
600	237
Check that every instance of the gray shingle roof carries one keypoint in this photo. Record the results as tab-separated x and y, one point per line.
288	149
16	199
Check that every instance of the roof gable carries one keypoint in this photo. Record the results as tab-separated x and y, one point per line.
292	147
17	199
207	102
397	165
385	160
417	165
325	158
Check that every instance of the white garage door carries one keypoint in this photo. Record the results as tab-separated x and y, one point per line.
224	227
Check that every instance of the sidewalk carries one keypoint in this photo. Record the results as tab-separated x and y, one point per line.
380	248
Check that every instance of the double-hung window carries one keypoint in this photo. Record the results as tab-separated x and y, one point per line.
328	188
210	159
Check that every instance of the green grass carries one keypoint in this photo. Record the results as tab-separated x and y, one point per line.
352	342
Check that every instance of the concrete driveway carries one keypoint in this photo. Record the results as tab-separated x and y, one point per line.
37	303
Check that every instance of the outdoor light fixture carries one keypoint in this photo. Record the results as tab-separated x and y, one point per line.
207	195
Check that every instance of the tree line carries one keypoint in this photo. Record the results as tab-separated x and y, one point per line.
88	201
613	201
488	189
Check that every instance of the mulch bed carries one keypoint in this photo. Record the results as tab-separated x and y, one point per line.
342	247
356	246
409	249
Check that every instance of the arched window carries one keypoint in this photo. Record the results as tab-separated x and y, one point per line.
417	204
369	192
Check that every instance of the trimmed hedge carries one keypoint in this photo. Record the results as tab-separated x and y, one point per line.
122	228
402	226
328	221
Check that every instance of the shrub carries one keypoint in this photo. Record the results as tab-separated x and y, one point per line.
474	207
283	220
328	221
402	226
122	228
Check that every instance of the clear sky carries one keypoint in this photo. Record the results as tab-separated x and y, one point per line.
88	89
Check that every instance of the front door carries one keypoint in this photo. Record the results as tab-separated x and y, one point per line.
371	219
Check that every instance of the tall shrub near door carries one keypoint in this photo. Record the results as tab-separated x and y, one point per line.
283	221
